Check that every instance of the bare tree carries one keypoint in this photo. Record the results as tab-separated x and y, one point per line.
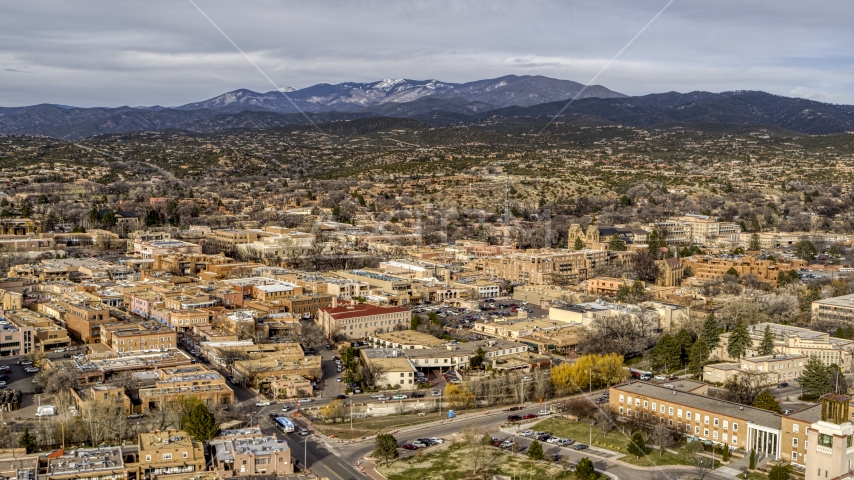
479	454
623	333
700	463
371	373
663	436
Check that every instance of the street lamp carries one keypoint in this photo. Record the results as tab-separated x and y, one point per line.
305	453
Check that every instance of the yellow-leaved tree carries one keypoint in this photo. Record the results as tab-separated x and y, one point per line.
458	396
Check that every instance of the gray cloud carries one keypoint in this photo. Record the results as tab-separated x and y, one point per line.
109	53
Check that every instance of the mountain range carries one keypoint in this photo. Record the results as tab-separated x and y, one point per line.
536	99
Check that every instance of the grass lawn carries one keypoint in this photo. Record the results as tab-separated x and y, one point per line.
613	440
448	462
363	427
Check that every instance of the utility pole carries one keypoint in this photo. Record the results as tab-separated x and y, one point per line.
351	413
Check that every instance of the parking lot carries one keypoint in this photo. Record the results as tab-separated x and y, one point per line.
459	320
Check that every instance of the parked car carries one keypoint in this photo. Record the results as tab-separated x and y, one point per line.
529	416
579	446
31	370
304	400
661	377
646	376
340	396
436	393
376	395
507	444
2	384
383	398
339	379
437	440
399	396
418	395
419	444
554	440
526	433
135	415
408	446
513	409
544	413
783	385
263	403
565	442
514	418
601	400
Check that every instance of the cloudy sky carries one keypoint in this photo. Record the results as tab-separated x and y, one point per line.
109	53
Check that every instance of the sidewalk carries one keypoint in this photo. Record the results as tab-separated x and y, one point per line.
370	469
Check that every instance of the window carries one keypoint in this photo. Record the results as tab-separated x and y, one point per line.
687	428
706	420
794	442
184	455
715	435
726	424
696	430
688	415
679	425
716	422
706	432
725	437
637	402
654	408
646	405
661	409
734	439
734	427
167	456
148	458
679	412
621	410
795	427
794	456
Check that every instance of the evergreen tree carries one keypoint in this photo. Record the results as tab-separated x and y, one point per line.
28	441
687	272
637	446
25	210
584	470
667	352
617	244
535	451
200	423
94	216
814	378
725	454
767	345
686	340
754	242
779	472
710	334
415	322
698	357
739	340
752	459
579	244
152	218
638	290
109	219
653	243
486	439
732	271
385	446
766	401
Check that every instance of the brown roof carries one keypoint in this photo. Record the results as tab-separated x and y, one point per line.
360	310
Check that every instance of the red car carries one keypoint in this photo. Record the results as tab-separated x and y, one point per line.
530	415
407	446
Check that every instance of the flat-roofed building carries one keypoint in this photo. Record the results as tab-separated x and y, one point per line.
546	266
37	331
773	369
167	452
839	310
123	337
362	320
790	340
150	249
84	321
259	372
711	268
249	453
406	339
184	382
85	464
607	286
395	370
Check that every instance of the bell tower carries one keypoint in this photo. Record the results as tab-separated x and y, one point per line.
830	452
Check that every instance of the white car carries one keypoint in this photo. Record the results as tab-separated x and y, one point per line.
383	398
526	433
263	403
31	370
554	440
59	350
660	377
436	440
436	393
304	400
543	413
376	395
